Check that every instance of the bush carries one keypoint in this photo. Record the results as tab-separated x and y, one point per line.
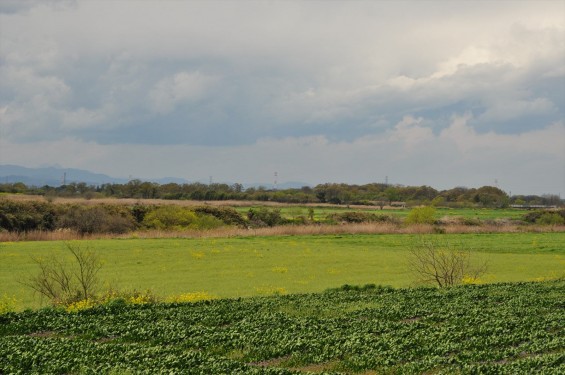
226	214
470	221
97	219
360	217
138	212
169	217
421	215
178	218
263	217
207	222
550	218
26	216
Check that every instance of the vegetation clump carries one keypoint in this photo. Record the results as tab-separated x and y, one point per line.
264	217
178	218
96	219
545	217
226	214
361	217
26	216
421	215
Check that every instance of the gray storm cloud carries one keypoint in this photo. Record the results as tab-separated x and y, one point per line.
323	85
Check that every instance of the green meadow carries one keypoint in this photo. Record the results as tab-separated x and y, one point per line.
249	266
321	212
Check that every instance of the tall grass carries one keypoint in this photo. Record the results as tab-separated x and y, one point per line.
180	202
289	230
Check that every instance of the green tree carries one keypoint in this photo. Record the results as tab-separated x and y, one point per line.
490	196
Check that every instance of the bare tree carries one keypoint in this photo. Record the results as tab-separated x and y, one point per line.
63	282
88	265
442	263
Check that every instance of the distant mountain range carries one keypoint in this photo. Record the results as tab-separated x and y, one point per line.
52	176
56	176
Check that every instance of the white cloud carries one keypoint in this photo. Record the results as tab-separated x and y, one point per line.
24	83
468	57
352	82
182	87
549	141
410	133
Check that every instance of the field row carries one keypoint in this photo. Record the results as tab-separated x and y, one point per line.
497	328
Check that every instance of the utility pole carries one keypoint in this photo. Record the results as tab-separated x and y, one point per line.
276	176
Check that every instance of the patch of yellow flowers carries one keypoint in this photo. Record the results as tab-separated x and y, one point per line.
8	304
81	305
136	299
191	297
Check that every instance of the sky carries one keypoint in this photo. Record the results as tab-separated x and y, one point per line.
437	93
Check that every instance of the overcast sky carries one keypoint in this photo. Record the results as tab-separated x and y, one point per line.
439	93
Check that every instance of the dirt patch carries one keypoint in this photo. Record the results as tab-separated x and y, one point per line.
274	362
411	320
43	334
317	367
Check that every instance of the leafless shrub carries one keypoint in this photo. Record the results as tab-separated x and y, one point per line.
443	263
64	282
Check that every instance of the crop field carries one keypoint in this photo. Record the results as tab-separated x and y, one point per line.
497	328
252	266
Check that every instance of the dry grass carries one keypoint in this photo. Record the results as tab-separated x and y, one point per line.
287	230
184	203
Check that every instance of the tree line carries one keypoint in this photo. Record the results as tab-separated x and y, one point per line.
377	194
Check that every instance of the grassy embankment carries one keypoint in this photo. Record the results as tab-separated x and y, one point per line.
247	266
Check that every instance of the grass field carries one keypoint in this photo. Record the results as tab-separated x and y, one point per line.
321	212
247	266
